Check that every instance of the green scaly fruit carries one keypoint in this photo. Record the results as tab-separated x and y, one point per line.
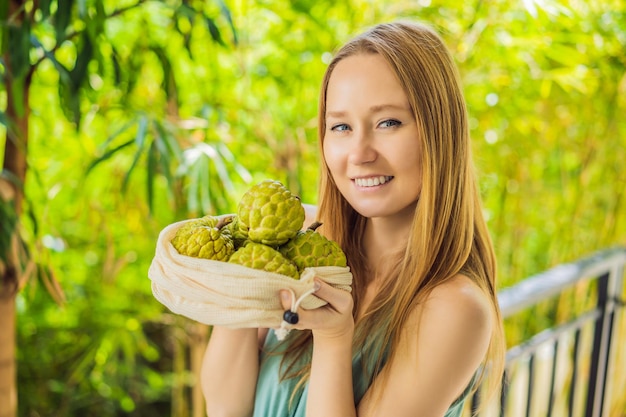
310	249
207	239
270	213
265	258
185	229
240	235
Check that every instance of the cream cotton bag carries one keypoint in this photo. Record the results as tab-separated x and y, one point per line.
230	295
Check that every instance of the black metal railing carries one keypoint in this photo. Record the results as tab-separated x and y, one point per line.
565	370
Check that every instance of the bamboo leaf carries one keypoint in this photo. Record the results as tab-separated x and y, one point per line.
168	83
44	6
118	132
192	189
565	55
140	139
70	102
98	21
62	19
30	211
151	173
214	31
161	149
79	72
17	86
108	154
205	185
64	73
47	277
4	46
185	11
243	173
222	171
19	45
117	68
4	13
82	9
225	11
170	141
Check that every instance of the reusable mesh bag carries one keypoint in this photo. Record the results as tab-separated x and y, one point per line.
231	295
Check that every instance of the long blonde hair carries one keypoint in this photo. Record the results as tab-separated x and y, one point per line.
448	234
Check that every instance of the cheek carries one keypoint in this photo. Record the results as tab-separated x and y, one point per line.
406	158
332	157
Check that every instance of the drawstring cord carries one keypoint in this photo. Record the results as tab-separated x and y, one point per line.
290	316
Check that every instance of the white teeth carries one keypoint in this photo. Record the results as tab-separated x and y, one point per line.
371	182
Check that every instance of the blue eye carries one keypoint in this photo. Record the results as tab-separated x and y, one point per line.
342	127
390	123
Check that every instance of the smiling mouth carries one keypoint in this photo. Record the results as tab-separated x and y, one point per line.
373	181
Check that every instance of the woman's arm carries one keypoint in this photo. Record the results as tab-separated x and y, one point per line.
230	368
442	345
330	385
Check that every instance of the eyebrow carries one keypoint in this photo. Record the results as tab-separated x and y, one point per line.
373	109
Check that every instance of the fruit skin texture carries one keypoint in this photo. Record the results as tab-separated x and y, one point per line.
205	238
264	258
311	249
240	235
210	221
270	213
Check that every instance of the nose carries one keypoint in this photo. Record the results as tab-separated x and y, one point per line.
362	150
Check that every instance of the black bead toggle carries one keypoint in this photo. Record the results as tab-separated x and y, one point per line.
290	317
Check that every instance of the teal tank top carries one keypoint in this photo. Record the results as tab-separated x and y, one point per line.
274	397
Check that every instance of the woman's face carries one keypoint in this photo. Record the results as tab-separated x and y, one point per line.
371	143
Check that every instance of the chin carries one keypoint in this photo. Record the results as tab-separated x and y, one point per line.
386	211
369	212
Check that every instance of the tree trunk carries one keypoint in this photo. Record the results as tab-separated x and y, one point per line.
11	273
8	386
14	164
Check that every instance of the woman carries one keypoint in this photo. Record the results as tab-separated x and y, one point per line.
398	193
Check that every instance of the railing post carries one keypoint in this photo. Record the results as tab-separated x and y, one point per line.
616	303
601	344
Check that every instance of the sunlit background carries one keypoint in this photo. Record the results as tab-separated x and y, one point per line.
143	113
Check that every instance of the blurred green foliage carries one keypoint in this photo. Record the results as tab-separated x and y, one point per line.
182	105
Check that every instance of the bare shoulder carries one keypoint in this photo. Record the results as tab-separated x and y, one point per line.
442	344
454	328
459	313
459	299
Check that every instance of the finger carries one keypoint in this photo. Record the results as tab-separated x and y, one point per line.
285	299
340	300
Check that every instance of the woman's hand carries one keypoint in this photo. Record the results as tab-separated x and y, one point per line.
331	321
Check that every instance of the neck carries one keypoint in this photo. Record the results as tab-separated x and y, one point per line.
384	238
